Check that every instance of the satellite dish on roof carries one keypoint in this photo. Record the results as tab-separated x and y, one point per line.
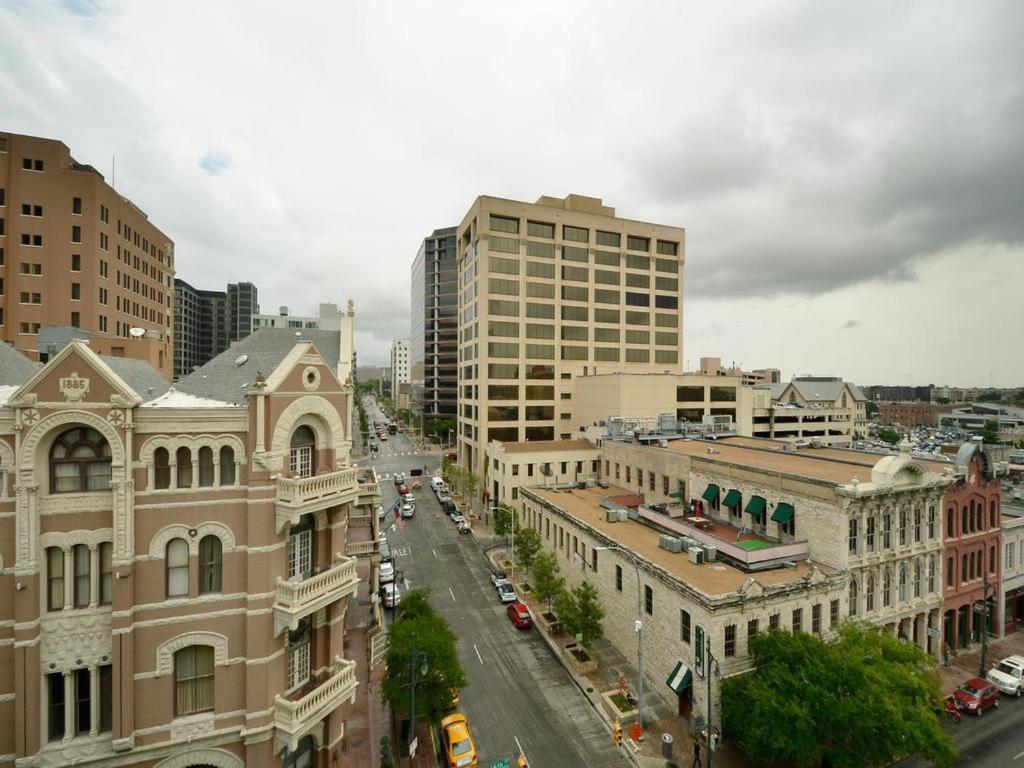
138	333
240	360
298	333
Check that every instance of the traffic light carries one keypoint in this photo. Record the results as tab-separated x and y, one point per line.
617	733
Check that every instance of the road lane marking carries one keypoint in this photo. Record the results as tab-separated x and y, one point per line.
520	747
478	653
451	593
435	553
1018	756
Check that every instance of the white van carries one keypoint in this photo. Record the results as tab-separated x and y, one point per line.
436	482
1008	675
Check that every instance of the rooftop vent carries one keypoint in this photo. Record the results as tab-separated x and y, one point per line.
241	359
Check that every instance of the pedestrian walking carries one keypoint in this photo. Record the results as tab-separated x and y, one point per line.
696	755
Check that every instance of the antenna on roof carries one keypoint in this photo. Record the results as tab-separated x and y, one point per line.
138	333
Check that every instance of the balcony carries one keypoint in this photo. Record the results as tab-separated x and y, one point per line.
357	548
295	719
296	599
301	495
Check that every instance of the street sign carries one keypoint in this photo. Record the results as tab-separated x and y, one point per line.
412	746
933	632
503	763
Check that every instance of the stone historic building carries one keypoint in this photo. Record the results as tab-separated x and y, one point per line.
184	572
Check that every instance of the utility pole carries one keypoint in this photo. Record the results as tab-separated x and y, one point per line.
984	624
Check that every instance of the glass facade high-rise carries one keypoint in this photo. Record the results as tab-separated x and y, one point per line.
208	322
434	336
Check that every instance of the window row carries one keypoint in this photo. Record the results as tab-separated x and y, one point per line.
79	702
511	225
891	531
203	471
79	577
916	581
972	518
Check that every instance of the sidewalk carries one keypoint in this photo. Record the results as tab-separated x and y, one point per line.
660	716
966	664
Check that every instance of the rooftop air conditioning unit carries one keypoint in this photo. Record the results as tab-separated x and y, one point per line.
590	482
710	554
696	556
623	515
612	515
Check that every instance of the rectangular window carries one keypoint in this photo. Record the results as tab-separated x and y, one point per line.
723	394
605	277
106	573
76	320
606	354
638	356
666	284
666	302
503	244
499	328
608	335
538	331
666	339
576	274
634	299
504	266
833	614
634	280
668	248
503	308
81	562
614	239
798	617
666	321
539	269
773	622
638	318
76	206
574	333
502	349
193	680
634	243
106	675
503	287
541	311
574	353
76	291
730	640
816	618
572	253
637	336
666	356
607	258
502	392
575	234
604	296
541	291
76	262
684	627
666	265
543	250
606	315
540	392
577	314
751	631
83	701
76	234
504	224
540	351
55	706
540	229
648	600
575	293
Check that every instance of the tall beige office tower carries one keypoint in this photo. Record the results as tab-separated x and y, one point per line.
551	291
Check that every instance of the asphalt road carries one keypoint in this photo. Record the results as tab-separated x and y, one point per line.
995	740
518	695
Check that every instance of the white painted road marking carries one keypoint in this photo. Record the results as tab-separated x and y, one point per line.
478	653
520	747
435	554
451	593
1015	757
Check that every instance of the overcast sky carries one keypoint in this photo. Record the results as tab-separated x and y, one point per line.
850	175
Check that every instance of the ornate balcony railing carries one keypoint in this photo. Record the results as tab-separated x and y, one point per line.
295	600
297	496
356	548
295	719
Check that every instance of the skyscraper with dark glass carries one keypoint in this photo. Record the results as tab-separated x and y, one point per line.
435	304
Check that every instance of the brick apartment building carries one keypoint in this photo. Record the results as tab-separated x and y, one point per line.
910	414
185	571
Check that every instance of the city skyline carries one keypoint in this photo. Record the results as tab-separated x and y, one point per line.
831	199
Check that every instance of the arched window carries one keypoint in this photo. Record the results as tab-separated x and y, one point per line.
931	574
177	568
871	594
106	573
183	458
161	468
917	579
844	400
79	461
886	589
886	531
205	466
917	526
303	452
853	597
965	520
970	569
931	521
54	579
950	521
903	584
227	465
963	569
993	514
992	559
950	571
903	527
979	517
80	560
792	398
302	757
193	680
210	556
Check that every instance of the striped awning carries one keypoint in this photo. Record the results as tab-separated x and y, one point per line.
680	679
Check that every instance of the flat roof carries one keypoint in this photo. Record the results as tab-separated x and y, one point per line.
539	446
830	470
713	579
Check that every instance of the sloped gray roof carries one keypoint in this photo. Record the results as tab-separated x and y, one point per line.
817	390
139	375
15	368
224	379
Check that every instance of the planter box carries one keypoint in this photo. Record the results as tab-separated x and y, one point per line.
613	709
548	622
581	666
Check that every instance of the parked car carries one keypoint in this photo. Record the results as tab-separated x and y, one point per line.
436	482
392	597
458	519
443	498
507	593
459	750
408	510
387	572
520	616
408	498
380	512
464	527
976	695
449	507
1008	675
498	578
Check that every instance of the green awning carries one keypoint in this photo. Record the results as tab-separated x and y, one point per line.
680	679
755	506
676	495
732	498
783	512
710	493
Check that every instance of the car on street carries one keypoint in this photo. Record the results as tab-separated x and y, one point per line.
975	696
399	478
459	750
391	595
387	572
408	510
458	519
1008	675
498	578
403	490
408	498
507	593
449	506
436	482
464	527
443	496
380	512
519	615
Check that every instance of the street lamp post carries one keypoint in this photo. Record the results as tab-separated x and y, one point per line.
989	587
710	662
413	658
639	634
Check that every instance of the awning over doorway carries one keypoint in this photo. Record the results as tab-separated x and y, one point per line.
710	493
732	498
783	513
755	506
680	679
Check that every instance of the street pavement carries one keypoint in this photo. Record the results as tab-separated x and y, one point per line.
991	741
519	695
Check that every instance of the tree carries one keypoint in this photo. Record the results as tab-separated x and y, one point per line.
528	544
870	409
546	581
942	400
505	521
581	613
386	761
446	467
889	435
471	484
435	640
415	604
990	433
862	698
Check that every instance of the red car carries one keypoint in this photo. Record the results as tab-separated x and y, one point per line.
402	490
520	616
976	695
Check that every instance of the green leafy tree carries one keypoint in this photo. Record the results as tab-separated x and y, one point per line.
446	468
472	482
435	640
528	544
546	579
990	433
870	409
862	698
942	400
505	521
415	604
581	613
386	761
889	435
